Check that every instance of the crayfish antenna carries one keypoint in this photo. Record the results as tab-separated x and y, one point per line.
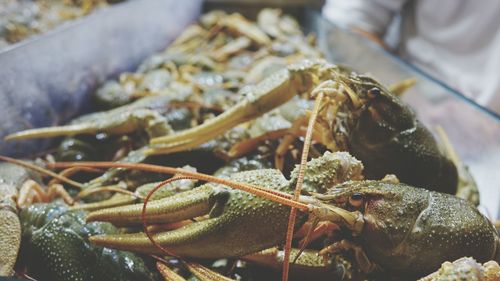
272	195
71	171
121	197
42	171
118	188
399	88
306	240
300	180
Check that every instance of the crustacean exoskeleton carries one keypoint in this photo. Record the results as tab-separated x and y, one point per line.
390	227
55	246
465	269
121	120
19	187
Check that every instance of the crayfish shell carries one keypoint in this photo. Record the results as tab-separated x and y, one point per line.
466	269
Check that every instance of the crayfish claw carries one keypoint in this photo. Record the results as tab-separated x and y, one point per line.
185	241
185	205
265	96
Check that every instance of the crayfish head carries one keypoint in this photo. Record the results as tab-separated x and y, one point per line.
369	112
389	211
379	122
355	196
371	130
379	105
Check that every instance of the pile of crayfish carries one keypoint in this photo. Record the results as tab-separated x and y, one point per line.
239	153
22	19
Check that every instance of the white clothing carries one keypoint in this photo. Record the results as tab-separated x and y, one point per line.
457	41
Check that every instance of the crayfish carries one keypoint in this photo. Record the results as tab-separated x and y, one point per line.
391	227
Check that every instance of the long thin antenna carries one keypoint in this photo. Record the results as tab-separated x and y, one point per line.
298	186
143	213
270	194
41	170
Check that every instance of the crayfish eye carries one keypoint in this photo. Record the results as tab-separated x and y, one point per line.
373	92
356	200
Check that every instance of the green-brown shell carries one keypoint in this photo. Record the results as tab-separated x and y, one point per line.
414	230
465	268
56	247
387	137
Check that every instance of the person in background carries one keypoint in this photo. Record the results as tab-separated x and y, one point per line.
456	41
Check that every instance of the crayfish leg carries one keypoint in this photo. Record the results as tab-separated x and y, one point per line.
114	201
244	147
31	191
311	232
167	273
362	259
205	274
201	272
293	133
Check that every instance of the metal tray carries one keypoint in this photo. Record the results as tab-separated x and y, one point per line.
47	79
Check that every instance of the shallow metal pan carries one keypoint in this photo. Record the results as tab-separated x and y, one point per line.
47	79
